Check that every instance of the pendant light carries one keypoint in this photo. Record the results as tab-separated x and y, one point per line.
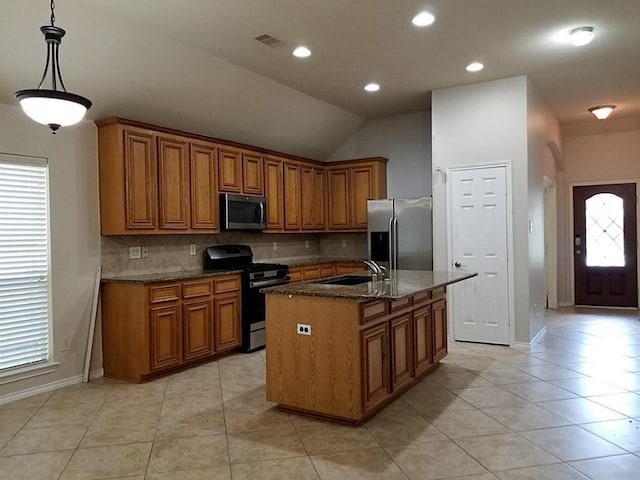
55	108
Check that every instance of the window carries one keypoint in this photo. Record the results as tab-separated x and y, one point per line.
24	261
605	230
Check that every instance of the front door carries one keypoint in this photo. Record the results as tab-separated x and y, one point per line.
478	211
604	245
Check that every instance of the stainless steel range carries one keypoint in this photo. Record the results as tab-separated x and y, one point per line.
254	277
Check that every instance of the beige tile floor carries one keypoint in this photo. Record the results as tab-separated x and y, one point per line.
565	408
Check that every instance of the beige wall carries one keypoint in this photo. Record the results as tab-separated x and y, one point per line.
604	157
75	239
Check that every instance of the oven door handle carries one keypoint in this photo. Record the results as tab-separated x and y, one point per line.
270	283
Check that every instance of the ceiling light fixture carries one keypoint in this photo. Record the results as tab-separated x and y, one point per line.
301	52
55	108
372	87
602	111
474	67
423	19
580	36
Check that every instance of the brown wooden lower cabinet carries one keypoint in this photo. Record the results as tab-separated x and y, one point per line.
371	351
152	329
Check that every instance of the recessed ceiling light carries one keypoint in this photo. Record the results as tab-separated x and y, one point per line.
301	52
423	19
602	111
474	67
581	36
372	87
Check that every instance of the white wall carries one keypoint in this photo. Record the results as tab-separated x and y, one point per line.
75	238
405	140
606	157
485	124
542	127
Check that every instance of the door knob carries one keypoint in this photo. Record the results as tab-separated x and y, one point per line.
457	264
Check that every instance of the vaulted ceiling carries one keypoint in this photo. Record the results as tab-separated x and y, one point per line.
195	64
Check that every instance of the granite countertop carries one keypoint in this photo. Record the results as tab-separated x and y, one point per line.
401	283
167	276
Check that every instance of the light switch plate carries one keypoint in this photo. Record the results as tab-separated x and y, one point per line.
145	252
275	246
135	252
192	249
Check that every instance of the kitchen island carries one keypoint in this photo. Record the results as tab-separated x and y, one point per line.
342	348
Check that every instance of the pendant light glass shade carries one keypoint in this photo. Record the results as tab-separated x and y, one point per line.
53	107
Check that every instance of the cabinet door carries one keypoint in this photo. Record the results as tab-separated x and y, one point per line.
273	192
227	325
140	167
422	339
173	181
319	198
307	198
229	170
327	270
165	341
401	351
350	267
197	329
311	272
439	312
204	188
252	167
339	205
291	196
362	184
375	365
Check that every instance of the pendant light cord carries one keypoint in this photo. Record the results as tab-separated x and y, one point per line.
53	16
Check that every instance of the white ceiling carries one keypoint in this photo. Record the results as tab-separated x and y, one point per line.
195	64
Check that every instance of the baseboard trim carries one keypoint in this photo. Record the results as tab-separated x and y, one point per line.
47	387
535	339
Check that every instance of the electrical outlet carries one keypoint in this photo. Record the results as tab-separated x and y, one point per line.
303	329
275	246
344	244
192	249
145	252
135	252
66	344
306	244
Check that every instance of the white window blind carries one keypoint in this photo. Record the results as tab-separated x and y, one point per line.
24	262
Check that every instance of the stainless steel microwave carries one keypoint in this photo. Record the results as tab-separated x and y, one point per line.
243	212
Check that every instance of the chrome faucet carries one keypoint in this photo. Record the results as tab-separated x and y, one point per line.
379	271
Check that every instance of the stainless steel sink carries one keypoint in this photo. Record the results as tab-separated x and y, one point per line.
351	280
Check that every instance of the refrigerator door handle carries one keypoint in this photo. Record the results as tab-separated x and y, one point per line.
395	243
392	246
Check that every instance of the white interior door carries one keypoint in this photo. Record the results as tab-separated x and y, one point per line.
478	243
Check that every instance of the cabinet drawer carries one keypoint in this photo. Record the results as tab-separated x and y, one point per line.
327	270
439	293
200	288
296	274
372	310
311	272
399	304
164	293
421	297
226	284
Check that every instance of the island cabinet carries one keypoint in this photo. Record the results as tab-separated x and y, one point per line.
350	184
360	354
157	328
152	182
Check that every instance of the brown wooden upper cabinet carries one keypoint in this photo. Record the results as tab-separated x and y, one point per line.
292	207
240	171
155	182
350	185
273	191
313	197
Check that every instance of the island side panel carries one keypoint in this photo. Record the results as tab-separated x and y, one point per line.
318	372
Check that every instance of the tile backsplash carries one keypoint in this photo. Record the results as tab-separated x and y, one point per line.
169	253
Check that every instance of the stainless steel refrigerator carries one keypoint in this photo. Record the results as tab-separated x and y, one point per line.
400	233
